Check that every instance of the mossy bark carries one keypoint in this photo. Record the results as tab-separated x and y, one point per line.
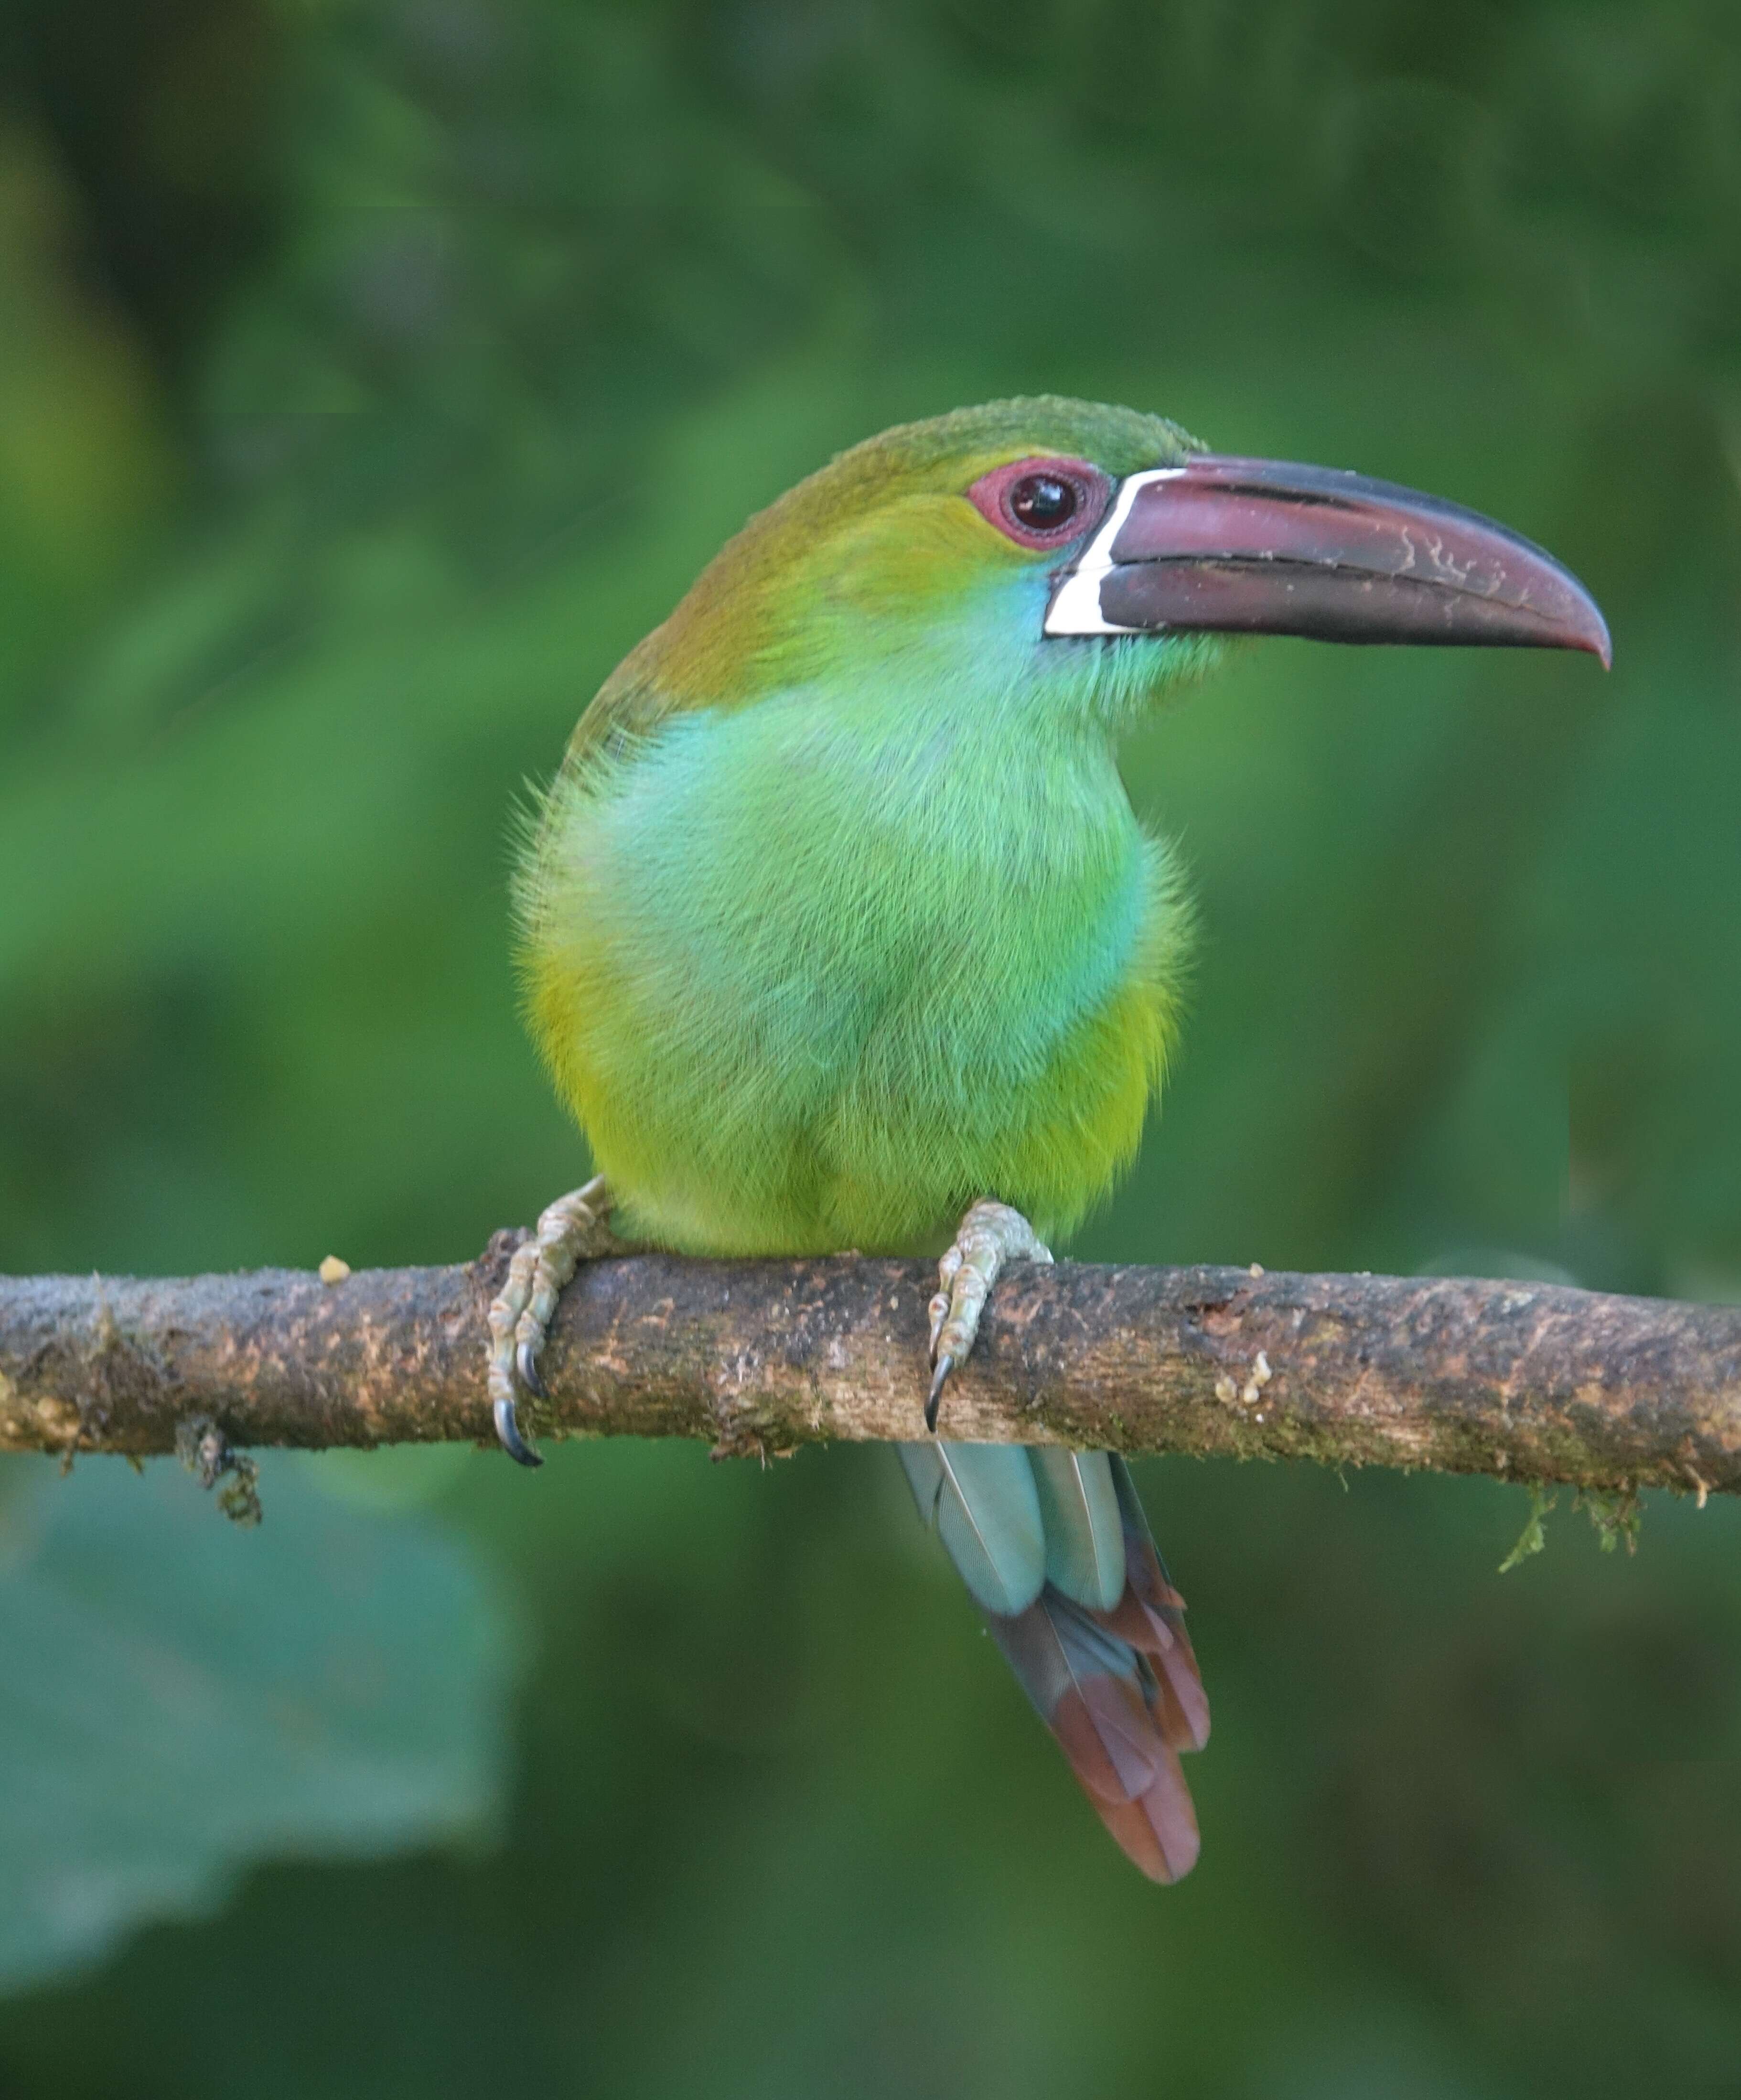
1525	1381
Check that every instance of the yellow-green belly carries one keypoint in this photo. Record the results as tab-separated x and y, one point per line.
801	1001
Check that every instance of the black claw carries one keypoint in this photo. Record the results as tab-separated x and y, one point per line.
939	1379
525	1362
508	1430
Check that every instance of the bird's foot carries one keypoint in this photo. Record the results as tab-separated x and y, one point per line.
990	1234
573	1226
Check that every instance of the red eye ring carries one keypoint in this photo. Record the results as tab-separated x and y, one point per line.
1042	502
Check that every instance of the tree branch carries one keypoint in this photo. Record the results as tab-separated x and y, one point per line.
1526	1381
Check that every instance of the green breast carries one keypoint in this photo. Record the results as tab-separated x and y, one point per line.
815	978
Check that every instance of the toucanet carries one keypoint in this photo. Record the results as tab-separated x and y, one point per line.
837	931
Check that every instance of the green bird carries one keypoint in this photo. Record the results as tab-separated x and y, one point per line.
838	931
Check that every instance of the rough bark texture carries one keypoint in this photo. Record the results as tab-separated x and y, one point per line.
1528	1381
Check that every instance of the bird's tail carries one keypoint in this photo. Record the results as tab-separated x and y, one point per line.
1058	1553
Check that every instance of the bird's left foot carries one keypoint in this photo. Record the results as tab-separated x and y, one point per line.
991	1234
571	1228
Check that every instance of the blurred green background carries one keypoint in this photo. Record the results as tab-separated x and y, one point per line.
372	373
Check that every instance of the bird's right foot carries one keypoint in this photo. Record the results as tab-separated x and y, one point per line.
571	1229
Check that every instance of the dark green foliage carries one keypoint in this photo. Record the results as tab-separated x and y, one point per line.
182	1696
355	419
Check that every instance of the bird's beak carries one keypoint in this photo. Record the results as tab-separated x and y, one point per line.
1264	547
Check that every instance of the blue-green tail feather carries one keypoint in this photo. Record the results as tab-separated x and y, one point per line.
981	1500
1058	1554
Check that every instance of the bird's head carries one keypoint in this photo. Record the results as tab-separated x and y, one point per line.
1070	546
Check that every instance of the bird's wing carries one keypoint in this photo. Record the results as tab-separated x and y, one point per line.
625	711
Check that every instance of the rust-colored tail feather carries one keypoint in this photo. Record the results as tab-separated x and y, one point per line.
1120	1691
1120	1726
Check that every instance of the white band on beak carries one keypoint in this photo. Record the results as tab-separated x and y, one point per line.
1075	608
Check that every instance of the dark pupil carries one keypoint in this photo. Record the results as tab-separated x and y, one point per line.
1042	500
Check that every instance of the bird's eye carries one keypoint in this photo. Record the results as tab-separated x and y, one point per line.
1042	502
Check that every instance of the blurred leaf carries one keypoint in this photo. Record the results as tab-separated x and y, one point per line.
184	1698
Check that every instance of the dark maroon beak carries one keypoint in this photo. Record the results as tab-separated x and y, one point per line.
1247	546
